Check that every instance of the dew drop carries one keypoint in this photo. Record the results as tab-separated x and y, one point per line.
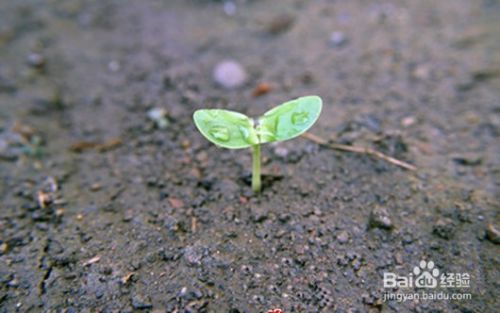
245	133
300	117
220	133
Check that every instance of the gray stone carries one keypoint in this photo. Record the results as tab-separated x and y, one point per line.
379	218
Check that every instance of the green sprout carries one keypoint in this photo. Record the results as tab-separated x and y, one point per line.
234	130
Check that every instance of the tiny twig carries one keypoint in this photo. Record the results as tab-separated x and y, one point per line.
362	150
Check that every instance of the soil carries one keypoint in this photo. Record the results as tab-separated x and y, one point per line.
102	210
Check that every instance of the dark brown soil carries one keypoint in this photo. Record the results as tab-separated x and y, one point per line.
103	211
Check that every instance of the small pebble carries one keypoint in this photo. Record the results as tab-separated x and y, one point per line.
468	159
140	302
128	215
193	255
421	71
493	234
280	24
159	117
343	237
175	202
398	258
190	294
408	121
36	60
229	74
338	39
114	66
95	187
379	218
444	228
13	283
3	248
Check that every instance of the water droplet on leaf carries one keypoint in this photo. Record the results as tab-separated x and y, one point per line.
245	133
220	133
300	117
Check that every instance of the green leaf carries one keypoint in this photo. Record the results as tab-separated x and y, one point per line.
225	128
289	120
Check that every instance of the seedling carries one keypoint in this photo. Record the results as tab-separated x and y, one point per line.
234	130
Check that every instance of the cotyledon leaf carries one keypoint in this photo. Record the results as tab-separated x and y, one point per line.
225	128
289	119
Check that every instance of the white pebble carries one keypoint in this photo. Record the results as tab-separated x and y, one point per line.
229	74
337	38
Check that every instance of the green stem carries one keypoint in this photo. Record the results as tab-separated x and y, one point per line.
256	169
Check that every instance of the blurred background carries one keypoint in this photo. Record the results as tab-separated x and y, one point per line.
112	202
